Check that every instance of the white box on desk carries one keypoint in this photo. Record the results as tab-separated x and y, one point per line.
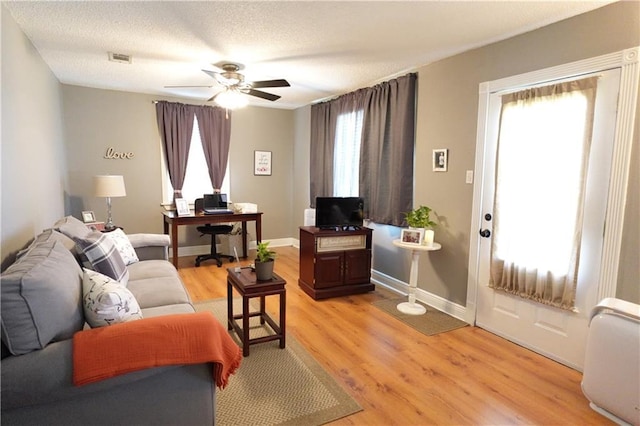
245	207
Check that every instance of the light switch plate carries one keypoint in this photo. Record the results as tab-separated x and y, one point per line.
469	177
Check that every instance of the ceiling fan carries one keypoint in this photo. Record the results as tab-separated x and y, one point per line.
233	82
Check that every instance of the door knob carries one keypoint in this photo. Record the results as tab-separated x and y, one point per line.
485	233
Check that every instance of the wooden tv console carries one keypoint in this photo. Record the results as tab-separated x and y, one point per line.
335	263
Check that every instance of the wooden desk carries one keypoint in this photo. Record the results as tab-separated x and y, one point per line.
172	218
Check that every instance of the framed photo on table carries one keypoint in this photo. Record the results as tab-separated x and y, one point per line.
262	163
412	236
88	217
182	206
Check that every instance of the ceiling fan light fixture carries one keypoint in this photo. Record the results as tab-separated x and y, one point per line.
231	99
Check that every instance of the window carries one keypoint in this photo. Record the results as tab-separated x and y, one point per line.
361	145
196	181
541	166
346	157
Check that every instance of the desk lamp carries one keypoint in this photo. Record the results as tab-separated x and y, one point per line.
107	187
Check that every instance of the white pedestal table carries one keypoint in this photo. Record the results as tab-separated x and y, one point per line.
411	307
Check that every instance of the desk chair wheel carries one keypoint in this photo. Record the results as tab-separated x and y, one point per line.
218	259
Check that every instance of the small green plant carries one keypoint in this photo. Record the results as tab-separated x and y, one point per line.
263	253
419	218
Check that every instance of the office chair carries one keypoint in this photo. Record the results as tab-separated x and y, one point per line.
212	230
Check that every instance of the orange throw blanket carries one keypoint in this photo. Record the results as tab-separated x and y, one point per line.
179	339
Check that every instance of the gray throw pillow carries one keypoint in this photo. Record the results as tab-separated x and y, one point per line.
72	227
41	298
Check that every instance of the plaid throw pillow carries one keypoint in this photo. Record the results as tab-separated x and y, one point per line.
104	256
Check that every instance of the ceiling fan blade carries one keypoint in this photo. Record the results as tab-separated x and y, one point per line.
212	98
210	73
270	83
180	87
263	95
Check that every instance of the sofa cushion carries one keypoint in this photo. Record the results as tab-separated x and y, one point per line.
51	235
104	256
106	301
154	268
41	298
161	291
123	245
178	308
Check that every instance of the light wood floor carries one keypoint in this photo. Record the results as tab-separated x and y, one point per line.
402	377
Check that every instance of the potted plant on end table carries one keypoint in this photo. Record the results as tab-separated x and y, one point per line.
419	219
264	261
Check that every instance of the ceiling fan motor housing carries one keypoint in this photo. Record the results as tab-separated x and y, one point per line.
231	74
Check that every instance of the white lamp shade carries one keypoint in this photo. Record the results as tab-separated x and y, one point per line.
109	186
231	99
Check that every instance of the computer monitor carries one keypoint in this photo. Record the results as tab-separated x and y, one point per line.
215	201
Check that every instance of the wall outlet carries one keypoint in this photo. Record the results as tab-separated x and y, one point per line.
469	177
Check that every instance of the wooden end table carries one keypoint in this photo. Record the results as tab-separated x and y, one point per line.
246	284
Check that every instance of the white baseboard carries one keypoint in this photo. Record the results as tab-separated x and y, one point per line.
400	287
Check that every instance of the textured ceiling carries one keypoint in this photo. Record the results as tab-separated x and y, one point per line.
323	49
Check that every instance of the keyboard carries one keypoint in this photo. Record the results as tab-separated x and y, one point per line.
217	211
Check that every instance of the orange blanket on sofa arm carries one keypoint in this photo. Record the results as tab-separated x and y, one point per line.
178	339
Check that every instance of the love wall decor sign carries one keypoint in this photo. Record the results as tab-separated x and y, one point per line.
112	154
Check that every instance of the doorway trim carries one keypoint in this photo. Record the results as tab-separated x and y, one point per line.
628	61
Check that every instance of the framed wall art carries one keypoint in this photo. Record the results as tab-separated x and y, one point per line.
440	160
262	163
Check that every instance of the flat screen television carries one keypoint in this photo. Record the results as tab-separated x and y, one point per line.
339	212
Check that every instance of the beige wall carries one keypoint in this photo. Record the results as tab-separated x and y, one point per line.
127	122
33	164
264	129
301	168
629	271
96	120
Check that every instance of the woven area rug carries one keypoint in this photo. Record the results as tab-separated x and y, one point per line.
276	386
431	323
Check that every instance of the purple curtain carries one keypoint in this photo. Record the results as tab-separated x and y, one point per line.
215	134
386	150
175	124
323	133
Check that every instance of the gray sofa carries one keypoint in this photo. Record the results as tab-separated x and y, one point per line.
37	388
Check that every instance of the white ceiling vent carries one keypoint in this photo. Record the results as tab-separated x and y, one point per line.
120	57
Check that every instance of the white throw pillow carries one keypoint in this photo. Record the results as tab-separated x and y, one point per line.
123	245
106	301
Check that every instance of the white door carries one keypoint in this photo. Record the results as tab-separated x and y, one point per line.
553	332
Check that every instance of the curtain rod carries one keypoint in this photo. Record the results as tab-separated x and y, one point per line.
164	100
